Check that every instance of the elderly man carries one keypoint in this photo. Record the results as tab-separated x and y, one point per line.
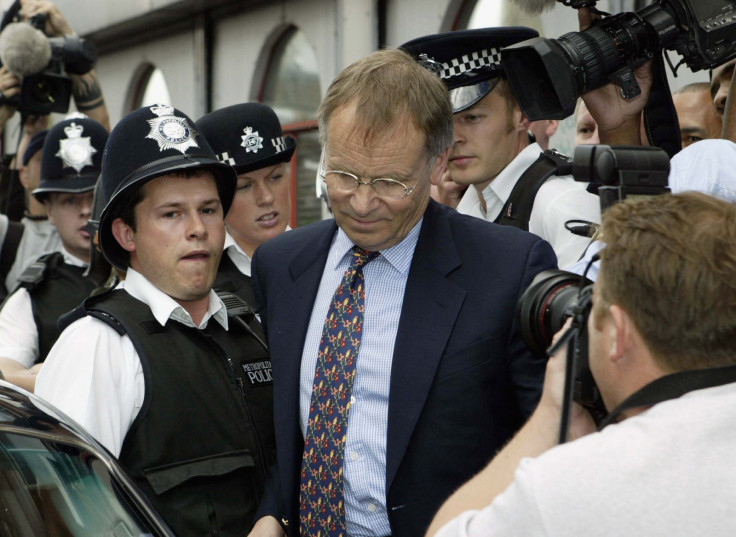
397	386
667	375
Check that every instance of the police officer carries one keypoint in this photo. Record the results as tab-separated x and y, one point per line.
159	369
248	136
54	284
493	151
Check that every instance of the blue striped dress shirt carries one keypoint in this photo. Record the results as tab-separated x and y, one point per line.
365	446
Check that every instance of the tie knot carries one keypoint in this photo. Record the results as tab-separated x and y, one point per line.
360	257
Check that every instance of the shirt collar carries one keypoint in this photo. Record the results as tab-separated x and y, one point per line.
69	259
163	307
398	255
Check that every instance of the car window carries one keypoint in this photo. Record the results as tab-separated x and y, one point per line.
50	488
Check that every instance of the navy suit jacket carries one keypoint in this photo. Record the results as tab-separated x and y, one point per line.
462	380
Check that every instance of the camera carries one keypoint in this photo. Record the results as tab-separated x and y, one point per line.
552	298
548	75
41	63
616	173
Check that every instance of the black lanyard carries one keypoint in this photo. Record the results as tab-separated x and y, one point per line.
673	386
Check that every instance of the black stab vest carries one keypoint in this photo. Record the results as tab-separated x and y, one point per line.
230	279
55	288
203	439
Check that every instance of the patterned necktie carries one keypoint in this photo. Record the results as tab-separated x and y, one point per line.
322	509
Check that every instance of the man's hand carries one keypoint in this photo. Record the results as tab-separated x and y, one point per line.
9	88
619	119
581	423
448	192
56	24
538	435
86	88
267	526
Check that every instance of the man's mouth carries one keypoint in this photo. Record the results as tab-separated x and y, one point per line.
197	256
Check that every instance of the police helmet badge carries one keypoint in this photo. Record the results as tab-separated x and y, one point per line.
170	131
251	140
76	150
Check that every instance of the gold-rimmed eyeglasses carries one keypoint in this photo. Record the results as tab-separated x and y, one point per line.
346	182
383	186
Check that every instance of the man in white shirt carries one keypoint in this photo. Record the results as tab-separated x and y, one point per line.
55	283
661	350
492	149
159	370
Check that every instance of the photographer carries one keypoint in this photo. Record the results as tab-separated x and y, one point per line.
86	88
663	311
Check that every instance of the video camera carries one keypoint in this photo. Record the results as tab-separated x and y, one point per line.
616	173
41	63
548	75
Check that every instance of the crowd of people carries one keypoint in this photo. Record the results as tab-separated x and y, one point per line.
368	375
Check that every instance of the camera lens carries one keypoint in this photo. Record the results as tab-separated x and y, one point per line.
545	305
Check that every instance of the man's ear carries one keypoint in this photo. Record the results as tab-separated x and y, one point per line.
624	332
520	120
124	234
439	167
49	212
23	176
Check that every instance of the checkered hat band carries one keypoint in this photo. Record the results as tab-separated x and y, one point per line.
471	62
227	159
279	144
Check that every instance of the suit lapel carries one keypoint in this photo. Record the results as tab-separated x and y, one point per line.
431	305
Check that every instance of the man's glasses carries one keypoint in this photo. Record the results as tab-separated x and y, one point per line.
346	182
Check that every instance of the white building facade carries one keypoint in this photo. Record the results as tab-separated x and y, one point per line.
202	55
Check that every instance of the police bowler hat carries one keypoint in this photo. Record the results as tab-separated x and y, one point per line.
34	145
247	136
72	157
148	143
467	61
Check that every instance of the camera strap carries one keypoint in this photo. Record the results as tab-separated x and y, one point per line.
673	386
517	210
660	117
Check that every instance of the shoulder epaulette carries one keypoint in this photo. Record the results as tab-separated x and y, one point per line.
34	273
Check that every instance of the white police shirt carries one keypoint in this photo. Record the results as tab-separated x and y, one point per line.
94	375
18	330
558	200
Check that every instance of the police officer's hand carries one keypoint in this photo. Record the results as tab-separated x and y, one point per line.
267	526
56	24
619	119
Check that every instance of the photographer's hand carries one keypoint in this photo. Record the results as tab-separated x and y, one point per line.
619	119
9	88
538	435
56	24
86	88
581	422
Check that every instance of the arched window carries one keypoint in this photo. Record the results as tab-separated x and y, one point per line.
291	87
148	87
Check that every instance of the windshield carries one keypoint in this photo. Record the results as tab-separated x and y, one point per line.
49	488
